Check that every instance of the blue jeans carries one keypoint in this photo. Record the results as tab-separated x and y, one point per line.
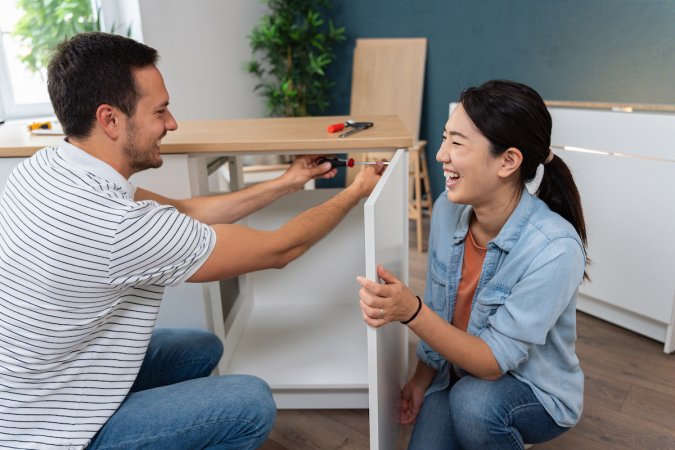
174	404
475	414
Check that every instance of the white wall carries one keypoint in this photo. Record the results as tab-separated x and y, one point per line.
203	45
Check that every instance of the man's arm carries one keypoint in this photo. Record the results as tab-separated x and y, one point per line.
232	206
240	249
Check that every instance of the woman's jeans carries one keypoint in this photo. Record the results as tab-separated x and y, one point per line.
475	414
174	404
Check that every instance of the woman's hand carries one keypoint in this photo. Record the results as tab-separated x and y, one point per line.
412	394
412	397
384	303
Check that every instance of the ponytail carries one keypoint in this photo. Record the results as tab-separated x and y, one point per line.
511	114
558	190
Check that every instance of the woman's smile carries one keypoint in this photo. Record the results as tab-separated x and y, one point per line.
451	178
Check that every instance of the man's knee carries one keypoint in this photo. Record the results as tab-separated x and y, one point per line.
255	399
200	344
209	344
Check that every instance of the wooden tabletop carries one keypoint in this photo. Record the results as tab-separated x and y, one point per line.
243	136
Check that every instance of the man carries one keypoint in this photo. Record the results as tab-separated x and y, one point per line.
85	257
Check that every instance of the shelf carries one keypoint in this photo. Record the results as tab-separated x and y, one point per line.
296	347
311	357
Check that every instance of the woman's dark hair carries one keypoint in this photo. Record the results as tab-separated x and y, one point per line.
511	114
92	69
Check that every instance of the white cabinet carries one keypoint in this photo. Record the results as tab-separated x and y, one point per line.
624	167
300	328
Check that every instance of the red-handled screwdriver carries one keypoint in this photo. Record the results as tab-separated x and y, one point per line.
336	162
339	126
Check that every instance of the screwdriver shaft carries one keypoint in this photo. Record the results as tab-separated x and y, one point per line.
386	163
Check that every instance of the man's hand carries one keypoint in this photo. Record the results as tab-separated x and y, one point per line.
303	169
368	177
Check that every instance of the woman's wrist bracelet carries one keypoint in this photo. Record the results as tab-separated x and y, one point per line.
419	307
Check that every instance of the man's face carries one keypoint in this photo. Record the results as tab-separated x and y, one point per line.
150	122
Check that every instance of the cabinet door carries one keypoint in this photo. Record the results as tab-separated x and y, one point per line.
386	232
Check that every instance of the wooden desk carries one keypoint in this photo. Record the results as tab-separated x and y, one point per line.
299	328
242	137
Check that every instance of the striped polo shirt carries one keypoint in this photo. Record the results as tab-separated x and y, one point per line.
82	272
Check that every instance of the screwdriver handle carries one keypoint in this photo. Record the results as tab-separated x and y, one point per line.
336	127
340	126
335	162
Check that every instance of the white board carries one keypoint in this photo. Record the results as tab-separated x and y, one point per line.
386	231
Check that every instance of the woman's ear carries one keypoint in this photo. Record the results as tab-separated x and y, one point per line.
108	119
512	158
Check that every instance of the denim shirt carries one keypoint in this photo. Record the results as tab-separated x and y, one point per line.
524	307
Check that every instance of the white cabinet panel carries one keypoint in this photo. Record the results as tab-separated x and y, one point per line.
386	231
304	334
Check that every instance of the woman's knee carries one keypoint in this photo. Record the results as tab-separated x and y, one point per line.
472	406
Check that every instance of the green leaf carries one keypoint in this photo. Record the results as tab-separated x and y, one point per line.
292	46
45	23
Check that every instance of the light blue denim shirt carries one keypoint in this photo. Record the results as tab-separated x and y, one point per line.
524	307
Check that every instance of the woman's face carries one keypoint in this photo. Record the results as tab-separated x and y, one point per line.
469	168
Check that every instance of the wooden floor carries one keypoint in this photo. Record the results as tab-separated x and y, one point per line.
629	395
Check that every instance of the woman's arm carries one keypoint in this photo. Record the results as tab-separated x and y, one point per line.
398	303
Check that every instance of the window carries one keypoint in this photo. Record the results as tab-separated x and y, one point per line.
23	93
23	84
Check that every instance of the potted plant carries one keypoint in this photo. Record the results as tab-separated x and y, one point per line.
292	46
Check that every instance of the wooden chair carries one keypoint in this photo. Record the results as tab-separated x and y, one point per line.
388	78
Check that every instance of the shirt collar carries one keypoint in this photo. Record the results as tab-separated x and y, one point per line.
510	232
513	228
77	157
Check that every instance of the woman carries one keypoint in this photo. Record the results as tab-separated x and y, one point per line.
497	364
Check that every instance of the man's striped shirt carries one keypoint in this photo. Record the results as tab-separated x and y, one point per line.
82	272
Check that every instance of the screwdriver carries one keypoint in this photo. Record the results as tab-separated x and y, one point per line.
336	162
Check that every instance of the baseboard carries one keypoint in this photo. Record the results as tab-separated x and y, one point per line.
627	319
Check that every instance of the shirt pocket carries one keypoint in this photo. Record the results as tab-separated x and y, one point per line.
437	300
489	299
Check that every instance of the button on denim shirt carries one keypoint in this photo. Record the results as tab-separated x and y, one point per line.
524	306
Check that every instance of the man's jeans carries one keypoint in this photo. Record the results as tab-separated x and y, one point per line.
477	414
174	404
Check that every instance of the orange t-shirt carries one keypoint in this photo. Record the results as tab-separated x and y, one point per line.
471	269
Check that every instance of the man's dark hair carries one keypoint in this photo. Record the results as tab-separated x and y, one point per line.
92	69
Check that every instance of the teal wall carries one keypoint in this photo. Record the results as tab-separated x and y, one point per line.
585	50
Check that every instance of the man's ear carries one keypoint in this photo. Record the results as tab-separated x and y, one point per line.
109	119
512	158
